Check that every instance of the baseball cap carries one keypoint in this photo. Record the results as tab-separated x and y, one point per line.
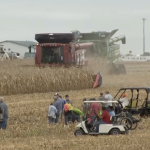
56	94
123	95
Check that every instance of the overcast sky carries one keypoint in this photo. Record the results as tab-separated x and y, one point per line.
22	19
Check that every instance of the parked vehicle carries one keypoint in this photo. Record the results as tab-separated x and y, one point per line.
85	127
139	102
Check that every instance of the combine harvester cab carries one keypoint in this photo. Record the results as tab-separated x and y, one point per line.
59	49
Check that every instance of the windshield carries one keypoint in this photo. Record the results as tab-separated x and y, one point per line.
52	54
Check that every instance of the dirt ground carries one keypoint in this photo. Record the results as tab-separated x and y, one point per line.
28	127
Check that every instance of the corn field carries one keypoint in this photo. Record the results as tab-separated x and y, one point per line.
22	77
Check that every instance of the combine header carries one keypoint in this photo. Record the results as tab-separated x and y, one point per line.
76	48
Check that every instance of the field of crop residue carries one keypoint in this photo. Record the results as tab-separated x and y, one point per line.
28	127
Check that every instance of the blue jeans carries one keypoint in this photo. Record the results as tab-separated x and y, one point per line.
3	124
51	120
98	123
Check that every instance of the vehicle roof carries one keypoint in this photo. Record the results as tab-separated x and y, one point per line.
102	101
54	37
136	88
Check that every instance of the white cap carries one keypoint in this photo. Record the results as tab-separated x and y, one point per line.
56	94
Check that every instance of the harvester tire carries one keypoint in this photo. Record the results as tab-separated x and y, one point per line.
121	69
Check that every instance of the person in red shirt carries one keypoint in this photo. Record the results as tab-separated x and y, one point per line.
95	107
104	118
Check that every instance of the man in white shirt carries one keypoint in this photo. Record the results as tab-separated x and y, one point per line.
124	101
108	97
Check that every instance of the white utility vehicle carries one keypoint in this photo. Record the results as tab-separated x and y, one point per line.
85	127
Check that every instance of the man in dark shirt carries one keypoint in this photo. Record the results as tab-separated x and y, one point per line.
104	118
4	110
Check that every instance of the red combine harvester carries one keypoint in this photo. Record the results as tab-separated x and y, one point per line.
59	49
67	49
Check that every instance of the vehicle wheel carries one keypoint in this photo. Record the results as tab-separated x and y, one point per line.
134	126
121	69
78	132
135	123
127	122
115	132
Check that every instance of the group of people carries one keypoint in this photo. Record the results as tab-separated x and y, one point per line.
103	111
62	108
3	114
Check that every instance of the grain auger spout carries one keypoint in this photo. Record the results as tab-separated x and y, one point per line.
116	39
83	45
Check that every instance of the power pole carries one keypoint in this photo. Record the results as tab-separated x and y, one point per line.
144	35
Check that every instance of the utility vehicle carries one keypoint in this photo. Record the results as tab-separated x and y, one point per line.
139	102
86	127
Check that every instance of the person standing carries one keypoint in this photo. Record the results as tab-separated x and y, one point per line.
67	98
4	110
58	105
52	113
67	112
108	97
95	108
63	103
102	98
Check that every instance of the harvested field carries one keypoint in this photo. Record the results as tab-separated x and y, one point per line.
28	125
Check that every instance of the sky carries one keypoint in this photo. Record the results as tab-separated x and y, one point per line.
22	19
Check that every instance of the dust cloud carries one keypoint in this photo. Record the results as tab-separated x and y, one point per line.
97	64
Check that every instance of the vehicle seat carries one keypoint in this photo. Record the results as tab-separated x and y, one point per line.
133	104
112	118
